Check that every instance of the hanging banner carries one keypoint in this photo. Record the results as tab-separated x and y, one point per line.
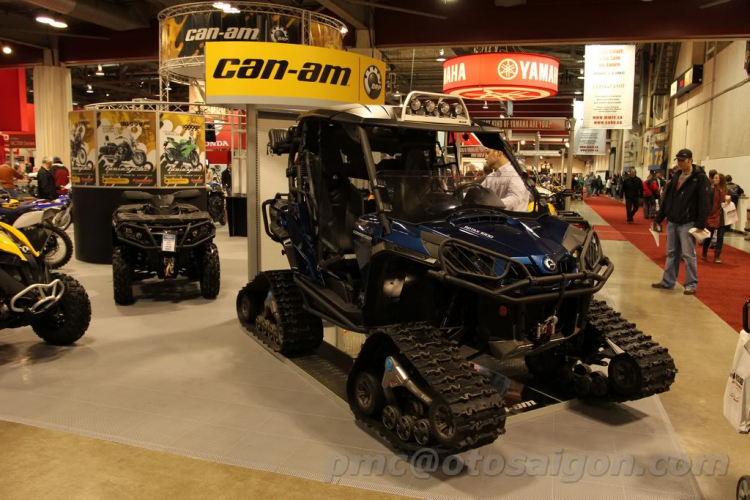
656	143
532	124
290	75
609	86
501	76
82	126
588	141
182	152
127	148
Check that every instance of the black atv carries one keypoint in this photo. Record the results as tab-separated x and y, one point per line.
433	272
164	238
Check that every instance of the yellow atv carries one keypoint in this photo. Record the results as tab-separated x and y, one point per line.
55	305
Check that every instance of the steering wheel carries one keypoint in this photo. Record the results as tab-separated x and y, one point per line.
460	189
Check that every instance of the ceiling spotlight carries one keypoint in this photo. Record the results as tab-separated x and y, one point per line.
99	71
58	24
440	59
7	50
344	30
398	93
502	116
523	143
44	19
567	144
106	95
442	52
89	90
578	92
485	105
581	77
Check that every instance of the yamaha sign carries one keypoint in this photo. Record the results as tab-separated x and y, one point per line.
501	76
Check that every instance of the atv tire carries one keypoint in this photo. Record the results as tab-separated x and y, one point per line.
122	276
68	320
210	272
58	237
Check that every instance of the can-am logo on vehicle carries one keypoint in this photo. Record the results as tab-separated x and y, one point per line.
279	34
373	82
278	69
549	264
25	249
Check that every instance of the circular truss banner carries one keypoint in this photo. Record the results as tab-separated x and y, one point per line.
501	76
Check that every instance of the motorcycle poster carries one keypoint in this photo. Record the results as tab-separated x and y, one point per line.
127	148
82	126
182	150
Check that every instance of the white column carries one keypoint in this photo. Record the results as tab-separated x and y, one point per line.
252	176
53	99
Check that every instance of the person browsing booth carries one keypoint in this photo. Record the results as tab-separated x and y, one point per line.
505	182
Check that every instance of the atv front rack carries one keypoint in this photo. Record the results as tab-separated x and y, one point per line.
506	279
42	295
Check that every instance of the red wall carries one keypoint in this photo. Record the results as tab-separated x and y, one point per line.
15	113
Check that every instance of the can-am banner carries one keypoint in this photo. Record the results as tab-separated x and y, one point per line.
609	86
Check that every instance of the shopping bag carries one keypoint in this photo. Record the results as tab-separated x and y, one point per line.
730	214
736	395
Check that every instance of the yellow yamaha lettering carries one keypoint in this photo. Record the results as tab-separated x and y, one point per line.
289	74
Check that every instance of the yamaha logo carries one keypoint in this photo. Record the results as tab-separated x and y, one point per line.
549	264
507	69
279	34
373	82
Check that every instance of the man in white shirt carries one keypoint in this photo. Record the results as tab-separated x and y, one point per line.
506	183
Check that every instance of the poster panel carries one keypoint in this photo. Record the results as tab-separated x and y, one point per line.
127	148
182	150
82	126
609	86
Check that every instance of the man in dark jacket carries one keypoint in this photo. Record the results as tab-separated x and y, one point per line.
632	188
685	206
46	182
226	179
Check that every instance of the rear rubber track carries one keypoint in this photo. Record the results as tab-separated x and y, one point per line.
477	407
301	331
657	366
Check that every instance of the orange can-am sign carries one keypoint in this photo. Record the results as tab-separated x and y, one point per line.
501	76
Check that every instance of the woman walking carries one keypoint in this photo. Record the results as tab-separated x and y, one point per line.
718	198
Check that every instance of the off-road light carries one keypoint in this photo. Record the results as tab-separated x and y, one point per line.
459	110
128	232
415	105
445	108
430	106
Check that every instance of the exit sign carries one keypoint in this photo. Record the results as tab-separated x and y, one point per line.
687	81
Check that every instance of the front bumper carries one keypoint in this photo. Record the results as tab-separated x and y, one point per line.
37	298
515	284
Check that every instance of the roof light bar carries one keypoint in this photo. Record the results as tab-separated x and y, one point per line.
428	107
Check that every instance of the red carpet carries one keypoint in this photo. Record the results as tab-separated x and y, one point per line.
724	288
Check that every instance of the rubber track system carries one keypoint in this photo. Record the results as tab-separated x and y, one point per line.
477	407
657	366
302	332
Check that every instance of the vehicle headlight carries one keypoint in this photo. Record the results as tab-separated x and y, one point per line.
139	235
195	233
444	108
459	110
430	106
204	229
128	232
415	105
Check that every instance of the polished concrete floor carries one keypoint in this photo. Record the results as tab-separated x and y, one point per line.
701	343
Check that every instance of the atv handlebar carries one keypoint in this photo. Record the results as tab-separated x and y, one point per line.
570	283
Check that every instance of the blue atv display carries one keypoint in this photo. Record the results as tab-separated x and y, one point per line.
424	268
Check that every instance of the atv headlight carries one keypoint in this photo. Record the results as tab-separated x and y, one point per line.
459	110
139	235
445	109
430	106
195	233
128	232
415	105
204	229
